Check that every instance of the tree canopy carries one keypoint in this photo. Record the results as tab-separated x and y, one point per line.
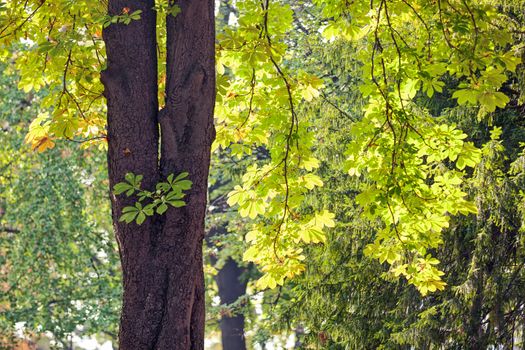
372	151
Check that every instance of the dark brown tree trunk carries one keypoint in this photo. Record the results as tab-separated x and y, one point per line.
231	288
163	301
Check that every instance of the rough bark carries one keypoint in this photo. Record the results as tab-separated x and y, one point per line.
163	299
130	82
187	133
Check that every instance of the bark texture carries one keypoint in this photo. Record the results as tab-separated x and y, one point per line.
163	301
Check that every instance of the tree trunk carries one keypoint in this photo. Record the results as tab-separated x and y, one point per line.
163	299
231	288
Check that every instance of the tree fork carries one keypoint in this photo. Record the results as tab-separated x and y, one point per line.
163	299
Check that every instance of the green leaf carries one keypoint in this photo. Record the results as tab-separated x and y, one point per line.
410	88
324	218
177	204
175	10
122	187
266	281
183	185
465	96
130	177
252	208
140	218
172	195
163	186
250	254
149	209
129	209
311	181
128	217
161	209
312	234
491	100
309	93
182	176
237	196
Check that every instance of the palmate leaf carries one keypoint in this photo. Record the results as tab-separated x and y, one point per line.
182	185
177	204
173	195
161	209
129	214
170	192
181	176
141	217
122	187
312	235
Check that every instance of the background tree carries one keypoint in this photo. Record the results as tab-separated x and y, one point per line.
353	302
224	247
59	261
